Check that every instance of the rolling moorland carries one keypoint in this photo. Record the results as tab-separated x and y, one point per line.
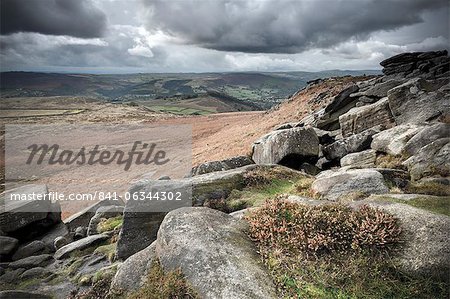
181	94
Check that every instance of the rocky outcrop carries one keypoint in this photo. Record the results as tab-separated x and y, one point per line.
425	249
393	141
7	245
82	218
364	159
380	90
362	118
334	186
222	165
425	137
419	100
132	274
343	102
214	253
33	248
103	213
22	294
24	219
418	64
432	159
81	244
32	262
281	145
354	143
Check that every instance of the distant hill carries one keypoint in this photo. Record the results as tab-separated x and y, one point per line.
240	91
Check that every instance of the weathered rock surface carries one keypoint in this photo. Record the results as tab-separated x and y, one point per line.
352	144
81	244
222	165
418	64
393	140
362	118
380	90
32	262
336	185
60	242
14	294
8	245
425	137
272	148
33	248
138	231
38	272
17	215
432	159
364	159
419	101
214	253
426	249
132	273
83	217
59	230
343	102
342	99
11	276
103	213
394	177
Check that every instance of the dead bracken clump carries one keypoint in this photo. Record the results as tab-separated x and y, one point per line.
312	230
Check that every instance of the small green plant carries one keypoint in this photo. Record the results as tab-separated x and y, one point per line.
160	285
107	250
109	224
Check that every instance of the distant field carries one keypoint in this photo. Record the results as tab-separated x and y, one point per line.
15	113
179	110
203	92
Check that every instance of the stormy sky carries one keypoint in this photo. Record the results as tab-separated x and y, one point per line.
124	36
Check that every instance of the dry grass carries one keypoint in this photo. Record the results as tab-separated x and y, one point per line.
161	285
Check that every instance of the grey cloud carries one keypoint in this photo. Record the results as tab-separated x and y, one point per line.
286	26
78	18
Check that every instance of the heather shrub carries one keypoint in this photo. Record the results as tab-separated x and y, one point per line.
293	228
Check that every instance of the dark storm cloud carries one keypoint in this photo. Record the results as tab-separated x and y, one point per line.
78	18
274	26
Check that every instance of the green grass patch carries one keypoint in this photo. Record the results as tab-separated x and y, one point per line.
438	205
110	224
107	250
260	184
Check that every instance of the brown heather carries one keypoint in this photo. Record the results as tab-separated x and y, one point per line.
292	228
